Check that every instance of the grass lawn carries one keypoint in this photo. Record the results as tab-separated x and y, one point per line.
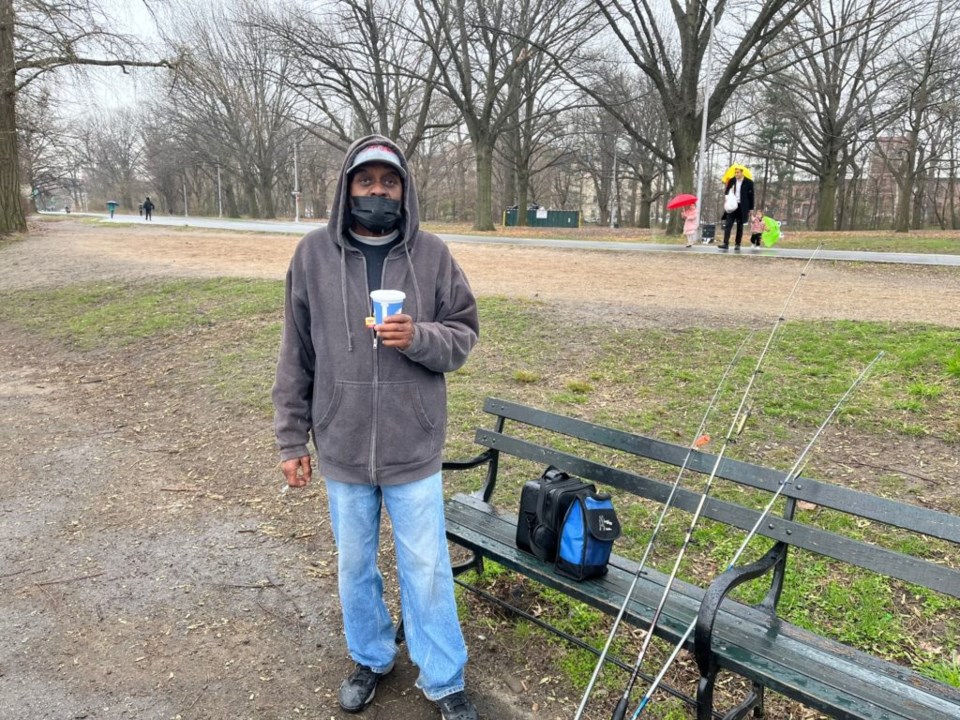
650	381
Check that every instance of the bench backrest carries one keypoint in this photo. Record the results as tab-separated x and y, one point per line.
930	523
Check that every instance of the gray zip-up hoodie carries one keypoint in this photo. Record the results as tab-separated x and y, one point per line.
378	415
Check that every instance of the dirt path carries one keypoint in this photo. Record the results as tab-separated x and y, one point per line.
150	567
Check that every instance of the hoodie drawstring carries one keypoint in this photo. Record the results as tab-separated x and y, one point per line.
343	296
413	275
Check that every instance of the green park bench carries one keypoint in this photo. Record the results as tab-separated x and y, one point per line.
751	641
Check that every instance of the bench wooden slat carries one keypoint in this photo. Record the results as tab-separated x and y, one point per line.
837	679
829	544
807	669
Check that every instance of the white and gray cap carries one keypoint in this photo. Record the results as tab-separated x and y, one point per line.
378	153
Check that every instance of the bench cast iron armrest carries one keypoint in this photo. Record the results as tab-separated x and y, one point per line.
714	595
488	457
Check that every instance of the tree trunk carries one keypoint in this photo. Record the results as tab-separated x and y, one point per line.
919	218
250	193
460	211
902	223
320	208
267	205
856	201
11	210
484	185
827	195
229	199
523	191
631	214
646	199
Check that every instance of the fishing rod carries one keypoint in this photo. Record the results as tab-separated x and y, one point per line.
787	480
736	426
656	530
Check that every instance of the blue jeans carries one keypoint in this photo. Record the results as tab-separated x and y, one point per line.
431	626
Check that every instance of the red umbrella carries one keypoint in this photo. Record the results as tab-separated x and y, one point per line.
681	201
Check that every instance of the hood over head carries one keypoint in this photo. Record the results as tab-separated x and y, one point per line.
373	148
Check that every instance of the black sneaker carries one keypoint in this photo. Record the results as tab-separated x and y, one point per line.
457	707
357	691
722	247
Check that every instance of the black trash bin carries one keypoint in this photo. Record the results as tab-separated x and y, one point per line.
708	232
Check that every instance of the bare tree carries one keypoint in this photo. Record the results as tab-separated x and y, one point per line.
226	105
164	150
927	91
641	108
600	134
531	143
36	38
44	146
538	163
835	54
113	153
945	208
358	71
319	170
597	132
672	56
482	47
445	183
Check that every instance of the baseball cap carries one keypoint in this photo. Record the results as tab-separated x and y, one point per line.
377	153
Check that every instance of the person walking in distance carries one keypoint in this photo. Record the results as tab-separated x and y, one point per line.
148	209
737	204
373	398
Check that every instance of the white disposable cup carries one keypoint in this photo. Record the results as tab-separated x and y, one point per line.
386	303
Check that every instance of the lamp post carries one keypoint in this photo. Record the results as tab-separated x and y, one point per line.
296	185
703	125
614	192
219	193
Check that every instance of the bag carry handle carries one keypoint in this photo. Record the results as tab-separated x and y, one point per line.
551	474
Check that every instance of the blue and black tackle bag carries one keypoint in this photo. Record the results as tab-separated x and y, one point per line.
543	505
586	536
565	521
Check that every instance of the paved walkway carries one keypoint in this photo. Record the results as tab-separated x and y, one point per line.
279	226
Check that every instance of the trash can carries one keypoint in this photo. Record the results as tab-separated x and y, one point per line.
112	206
708	232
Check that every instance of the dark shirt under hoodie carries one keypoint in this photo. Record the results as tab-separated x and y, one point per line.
375	250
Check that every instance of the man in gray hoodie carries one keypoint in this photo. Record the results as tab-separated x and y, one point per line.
373	396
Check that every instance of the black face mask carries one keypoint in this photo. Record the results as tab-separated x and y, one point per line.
377	214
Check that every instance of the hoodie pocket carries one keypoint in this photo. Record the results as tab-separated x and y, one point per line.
410	422
343	430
